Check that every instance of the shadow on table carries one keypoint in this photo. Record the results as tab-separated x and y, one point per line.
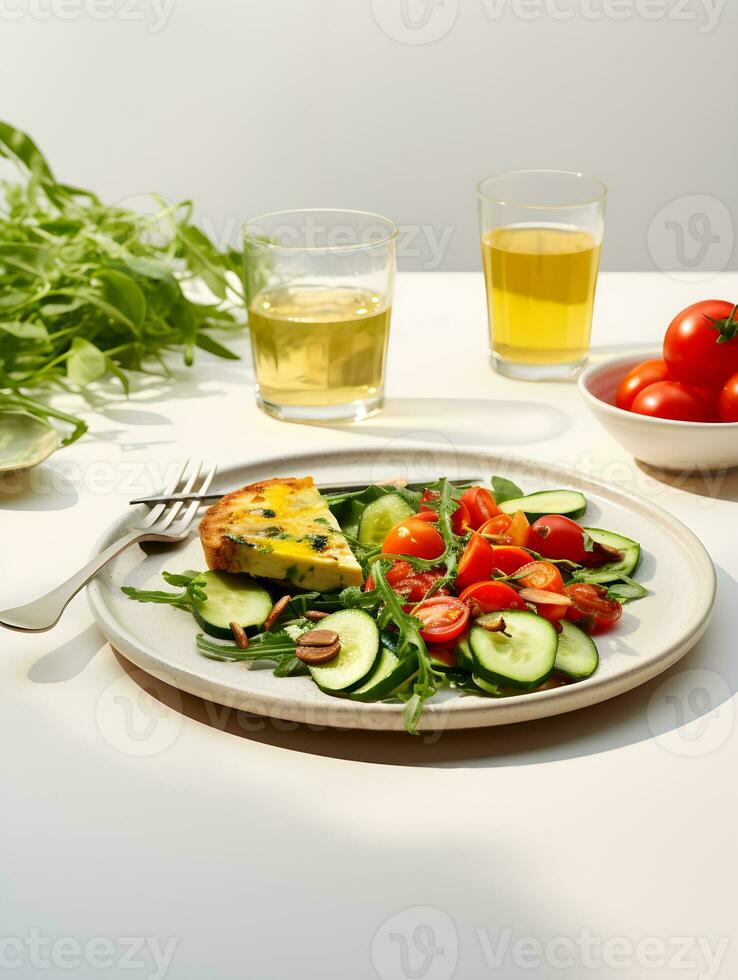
693	689
720	484
463	421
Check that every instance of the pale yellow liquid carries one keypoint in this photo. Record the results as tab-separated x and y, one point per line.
315	345
540	292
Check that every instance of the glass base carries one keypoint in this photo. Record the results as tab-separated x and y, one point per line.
354	411
536	372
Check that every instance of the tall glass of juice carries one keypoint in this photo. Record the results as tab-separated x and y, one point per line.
319	292
542	233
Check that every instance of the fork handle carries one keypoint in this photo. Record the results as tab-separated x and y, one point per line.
44	613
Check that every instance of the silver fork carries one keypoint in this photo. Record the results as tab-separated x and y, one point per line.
158	525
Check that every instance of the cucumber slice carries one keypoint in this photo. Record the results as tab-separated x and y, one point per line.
380	517
523	659
359	638
230	598
493	689
388	676
568	503
613	570
464	655
576	654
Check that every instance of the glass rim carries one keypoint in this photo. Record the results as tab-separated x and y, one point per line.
597	199
393	233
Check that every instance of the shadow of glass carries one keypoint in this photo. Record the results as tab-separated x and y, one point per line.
39	489
463	421
633	717
68	660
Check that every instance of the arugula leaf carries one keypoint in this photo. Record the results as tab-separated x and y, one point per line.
267	646
626	591
88	289
504	489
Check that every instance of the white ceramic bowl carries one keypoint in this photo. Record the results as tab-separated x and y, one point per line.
682	446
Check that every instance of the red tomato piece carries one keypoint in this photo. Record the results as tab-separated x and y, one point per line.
509	559
459	518
492	596
555	536
480	505
591	607
416	587
691	348
545	577
414	537
476	563
670	400
641	376
519	530
444	618
729	400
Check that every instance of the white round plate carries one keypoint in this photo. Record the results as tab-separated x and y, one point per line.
653	634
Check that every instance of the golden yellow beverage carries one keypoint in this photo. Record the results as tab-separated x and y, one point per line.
318	345
540	292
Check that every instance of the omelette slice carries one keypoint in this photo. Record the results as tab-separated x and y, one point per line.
279	529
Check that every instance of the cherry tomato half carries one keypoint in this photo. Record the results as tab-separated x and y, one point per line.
590	604
729	400
492	596
545	577
476	563
444	618
555	536
670	400
408	582
414	537
498	527
509	559
691	348
480	505
641	376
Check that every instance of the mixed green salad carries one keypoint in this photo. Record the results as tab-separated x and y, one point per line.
487	591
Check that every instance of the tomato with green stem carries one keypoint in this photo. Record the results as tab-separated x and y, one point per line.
701	344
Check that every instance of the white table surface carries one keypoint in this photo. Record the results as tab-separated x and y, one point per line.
136	824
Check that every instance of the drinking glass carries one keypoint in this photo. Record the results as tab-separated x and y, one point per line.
319	293
542	234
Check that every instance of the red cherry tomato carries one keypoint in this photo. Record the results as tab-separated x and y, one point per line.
444	618
476	563
414	537
492	596
416	587
559	537
508	559
591	607
711	400
480	505
397	572
459	519
691	348
670	400
498	528
641	376
729	400
545	577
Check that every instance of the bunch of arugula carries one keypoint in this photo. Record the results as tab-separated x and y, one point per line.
88	289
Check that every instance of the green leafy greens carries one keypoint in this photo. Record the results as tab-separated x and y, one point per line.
88	289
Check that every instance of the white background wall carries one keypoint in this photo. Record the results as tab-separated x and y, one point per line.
250	105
